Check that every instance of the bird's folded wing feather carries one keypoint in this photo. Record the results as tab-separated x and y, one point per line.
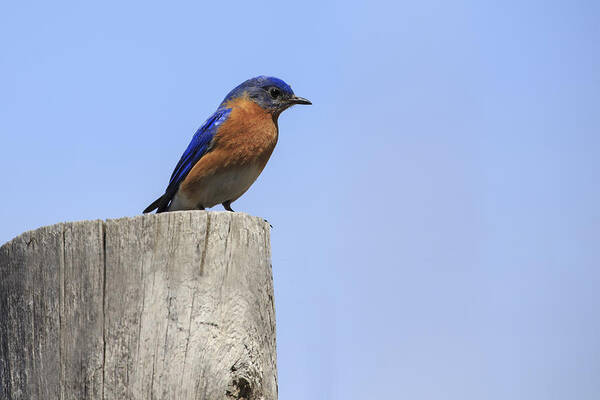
196	149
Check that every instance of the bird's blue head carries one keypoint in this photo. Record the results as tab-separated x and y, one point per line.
270	93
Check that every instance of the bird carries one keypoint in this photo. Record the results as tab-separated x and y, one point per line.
230	149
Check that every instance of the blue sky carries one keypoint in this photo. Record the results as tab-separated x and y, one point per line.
436	211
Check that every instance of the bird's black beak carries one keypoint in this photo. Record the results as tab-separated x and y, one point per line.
299	100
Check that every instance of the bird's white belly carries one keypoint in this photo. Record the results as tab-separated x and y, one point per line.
225	185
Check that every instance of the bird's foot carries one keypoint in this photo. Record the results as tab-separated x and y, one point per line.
227	205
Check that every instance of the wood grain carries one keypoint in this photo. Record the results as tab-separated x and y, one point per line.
165	306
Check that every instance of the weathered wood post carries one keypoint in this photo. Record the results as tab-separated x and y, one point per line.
169	306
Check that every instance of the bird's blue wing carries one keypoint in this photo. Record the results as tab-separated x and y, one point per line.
196	149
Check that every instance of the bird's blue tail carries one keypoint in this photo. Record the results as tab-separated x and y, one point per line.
161	204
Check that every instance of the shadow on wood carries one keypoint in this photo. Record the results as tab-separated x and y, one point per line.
164	306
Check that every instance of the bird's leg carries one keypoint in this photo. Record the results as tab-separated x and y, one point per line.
227	205
200	207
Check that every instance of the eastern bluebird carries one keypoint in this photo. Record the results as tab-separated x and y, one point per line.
230	150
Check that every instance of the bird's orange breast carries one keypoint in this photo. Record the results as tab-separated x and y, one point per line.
245	141
249	134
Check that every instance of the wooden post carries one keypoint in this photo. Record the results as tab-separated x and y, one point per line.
166	306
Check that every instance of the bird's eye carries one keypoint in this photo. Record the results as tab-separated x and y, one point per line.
274	92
